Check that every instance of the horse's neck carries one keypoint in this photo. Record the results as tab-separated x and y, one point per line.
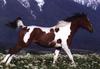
74	27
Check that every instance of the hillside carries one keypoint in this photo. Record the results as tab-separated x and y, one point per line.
44	61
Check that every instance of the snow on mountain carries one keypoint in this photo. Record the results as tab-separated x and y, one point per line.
27	4
40	3
24	3
89	3
30	4
3	2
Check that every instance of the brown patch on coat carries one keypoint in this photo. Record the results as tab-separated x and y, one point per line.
56	29
51	30
74	27
20	43
59	41
40	37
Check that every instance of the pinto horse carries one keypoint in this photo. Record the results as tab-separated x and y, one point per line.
58	36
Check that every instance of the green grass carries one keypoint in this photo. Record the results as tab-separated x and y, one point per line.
44	61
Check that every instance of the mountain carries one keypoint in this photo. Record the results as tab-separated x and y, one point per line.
27	4
89	3
47	13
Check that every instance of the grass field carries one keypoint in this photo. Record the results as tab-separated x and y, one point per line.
44	61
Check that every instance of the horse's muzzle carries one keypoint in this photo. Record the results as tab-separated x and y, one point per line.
91	29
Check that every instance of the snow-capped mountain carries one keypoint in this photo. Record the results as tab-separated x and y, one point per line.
26	4
3	2
40	3
89	3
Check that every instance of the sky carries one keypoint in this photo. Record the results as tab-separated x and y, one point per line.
47	13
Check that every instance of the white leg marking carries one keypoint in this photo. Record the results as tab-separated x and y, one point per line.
5	59
56	55
9	60
67	50
58	45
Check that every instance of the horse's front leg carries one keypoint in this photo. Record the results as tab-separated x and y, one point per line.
67	50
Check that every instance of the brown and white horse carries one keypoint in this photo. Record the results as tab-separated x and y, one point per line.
58	36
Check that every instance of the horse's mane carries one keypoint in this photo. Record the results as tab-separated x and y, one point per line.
69	19
76	15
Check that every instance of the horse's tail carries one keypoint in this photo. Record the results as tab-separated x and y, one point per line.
17	23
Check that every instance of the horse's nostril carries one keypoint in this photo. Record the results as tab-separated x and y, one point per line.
92	30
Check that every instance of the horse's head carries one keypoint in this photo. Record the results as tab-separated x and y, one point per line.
16	23
80	20
85	23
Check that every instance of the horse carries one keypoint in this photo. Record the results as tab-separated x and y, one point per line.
58	36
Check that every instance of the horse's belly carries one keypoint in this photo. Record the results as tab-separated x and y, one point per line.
46	44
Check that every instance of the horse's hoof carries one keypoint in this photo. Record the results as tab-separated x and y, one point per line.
2	62
73	65
7	64
53	65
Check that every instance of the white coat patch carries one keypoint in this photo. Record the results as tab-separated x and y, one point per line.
27	35
64	32
31	28
20	23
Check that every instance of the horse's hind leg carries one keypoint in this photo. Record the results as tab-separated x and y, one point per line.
9	56
12	52
9	59
5	59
